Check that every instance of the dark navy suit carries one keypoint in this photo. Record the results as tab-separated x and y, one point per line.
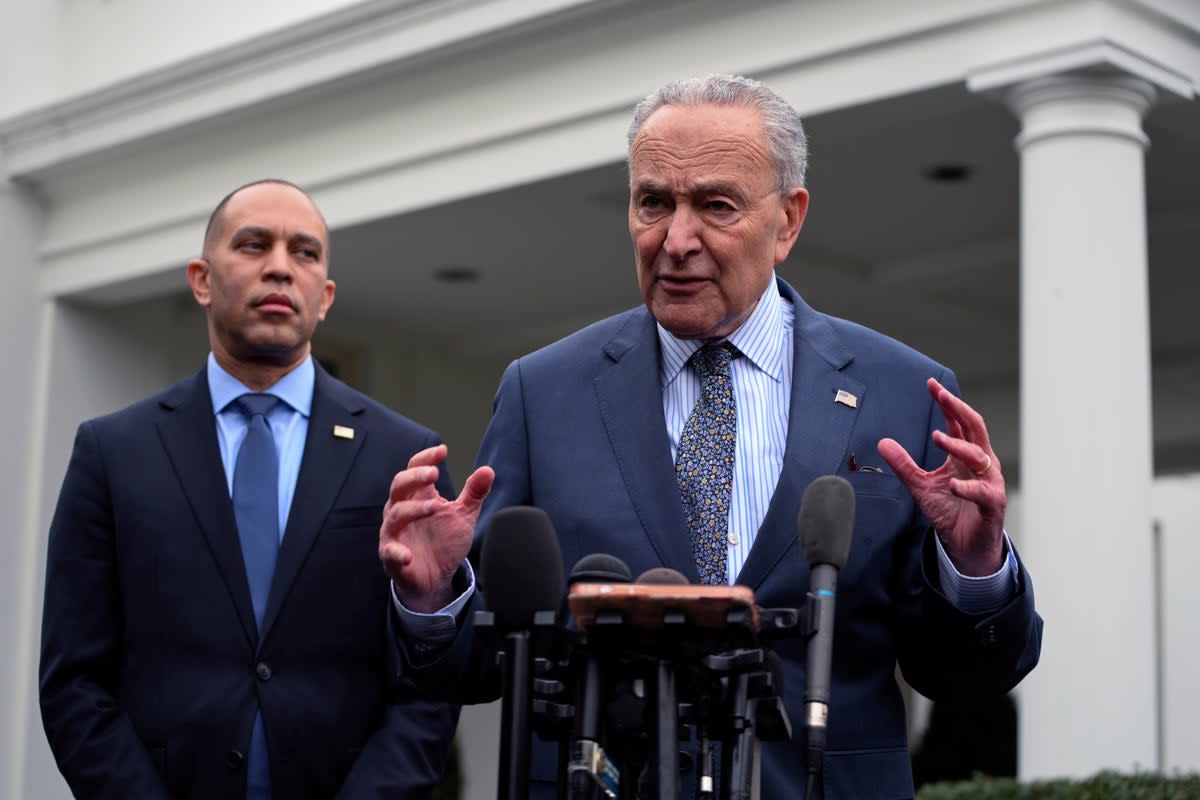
151	662
579	431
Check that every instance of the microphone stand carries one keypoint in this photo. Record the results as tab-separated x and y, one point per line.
513	781
664	753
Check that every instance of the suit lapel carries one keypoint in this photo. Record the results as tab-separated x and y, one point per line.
818	432
323	470
630	398
189	435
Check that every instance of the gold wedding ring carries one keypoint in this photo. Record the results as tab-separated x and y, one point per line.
986	465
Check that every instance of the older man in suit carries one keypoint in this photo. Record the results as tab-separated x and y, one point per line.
214	622
725	367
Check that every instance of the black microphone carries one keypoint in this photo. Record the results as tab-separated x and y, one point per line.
589	765
662	576
521	574
599	568
825	526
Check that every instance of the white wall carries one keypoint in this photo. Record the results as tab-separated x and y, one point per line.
29	58
70	47
1175	503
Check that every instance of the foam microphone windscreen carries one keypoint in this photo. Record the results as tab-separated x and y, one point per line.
599	568
662	576
826	521
520	566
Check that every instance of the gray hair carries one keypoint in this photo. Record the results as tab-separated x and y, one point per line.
786	141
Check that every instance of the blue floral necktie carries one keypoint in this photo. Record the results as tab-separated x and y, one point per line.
704	464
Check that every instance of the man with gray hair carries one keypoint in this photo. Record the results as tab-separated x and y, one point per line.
726	374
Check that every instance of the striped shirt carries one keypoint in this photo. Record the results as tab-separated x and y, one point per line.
762	387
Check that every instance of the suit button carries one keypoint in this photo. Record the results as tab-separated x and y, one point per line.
988	636
685	761
234	759
263	671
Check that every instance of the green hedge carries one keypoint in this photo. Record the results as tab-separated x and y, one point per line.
1104	786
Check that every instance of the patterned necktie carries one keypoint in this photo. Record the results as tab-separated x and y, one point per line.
256	509
704	465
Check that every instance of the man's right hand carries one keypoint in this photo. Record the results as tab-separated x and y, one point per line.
424	537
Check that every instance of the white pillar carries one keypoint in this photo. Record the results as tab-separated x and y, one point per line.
20	339
1086	424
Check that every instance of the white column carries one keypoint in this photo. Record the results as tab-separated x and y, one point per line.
20	338
1086	424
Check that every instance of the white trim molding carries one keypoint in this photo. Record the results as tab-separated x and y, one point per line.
333	47
1081	56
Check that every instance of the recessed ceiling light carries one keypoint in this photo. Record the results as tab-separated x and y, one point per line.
456	274
947	172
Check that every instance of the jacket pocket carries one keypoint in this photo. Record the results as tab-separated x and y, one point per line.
353	517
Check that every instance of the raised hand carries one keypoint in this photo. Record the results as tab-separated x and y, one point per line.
964	498
425	537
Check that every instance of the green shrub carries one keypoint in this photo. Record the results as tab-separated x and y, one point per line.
1104	786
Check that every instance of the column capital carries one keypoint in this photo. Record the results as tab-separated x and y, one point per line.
1081	103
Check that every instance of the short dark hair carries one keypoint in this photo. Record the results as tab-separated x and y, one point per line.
215	218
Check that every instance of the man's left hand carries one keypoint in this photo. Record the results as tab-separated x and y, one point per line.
964	498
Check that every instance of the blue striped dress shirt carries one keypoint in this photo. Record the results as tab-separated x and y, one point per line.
762	388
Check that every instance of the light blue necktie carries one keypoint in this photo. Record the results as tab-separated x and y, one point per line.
256	509
704	463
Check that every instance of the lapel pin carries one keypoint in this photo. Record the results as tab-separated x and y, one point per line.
342	432
845	398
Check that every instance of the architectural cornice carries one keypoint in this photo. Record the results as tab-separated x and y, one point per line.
301	57
1091	55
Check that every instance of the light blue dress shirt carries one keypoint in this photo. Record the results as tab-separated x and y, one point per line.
288	421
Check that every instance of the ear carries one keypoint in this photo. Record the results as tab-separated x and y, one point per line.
198	278
795	208
326	299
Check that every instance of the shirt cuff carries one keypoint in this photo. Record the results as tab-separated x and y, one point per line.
428	634
978	595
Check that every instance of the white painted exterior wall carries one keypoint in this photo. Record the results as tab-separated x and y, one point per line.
122	121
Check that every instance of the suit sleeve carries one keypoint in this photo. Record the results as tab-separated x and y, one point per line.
97	749
406	756
947	654
466	672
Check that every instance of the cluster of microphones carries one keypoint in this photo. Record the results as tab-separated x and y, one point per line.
640	663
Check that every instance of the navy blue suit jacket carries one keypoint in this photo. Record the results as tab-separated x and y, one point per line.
152	666
579	431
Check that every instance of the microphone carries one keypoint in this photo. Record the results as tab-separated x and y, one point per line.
589	764
825	526
662	576
521	574
599	568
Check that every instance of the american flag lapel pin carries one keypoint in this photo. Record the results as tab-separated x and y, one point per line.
845	398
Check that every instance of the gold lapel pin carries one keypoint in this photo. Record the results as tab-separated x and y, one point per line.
342	432
845	398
